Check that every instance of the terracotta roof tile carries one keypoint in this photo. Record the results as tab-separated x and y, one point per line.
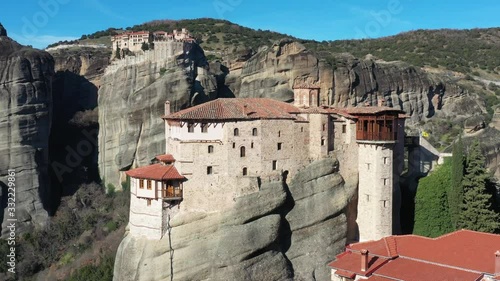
371	110
345	274
351	262
464	254
237	109
412	270
165	158
159	172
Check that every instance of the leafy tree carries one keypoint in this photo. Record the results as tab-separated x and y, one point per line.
145	46
455	196
477	213
432	216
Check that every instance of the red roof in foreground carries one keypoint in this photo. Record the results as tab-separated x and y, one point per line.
237	109
461	255
159	172
165	158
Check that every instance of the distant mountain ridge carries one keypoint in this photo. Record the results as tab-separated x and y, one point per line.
466	51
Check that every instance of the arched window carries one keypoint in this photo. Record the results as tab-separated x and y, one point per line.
242	151
236	132
254	131
210	149
245	171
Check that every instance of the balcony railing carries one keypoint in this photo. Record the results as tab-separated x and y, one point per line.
171	193
376	136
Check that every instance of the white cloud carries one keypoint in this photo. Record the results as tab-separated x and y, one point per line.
40	41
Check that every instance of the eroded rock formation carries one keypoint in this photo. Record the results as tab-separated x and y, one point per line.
25	120
131	101
278	233
273	72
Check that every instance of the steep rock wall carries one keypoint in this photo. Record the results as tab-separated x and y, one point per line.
131	102
279	233
25	120
273	71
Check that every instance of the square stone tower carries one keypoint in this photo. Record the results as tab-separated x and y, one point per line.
379	133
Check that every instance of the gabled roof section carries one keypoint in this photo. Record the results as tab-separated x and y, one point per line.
461	255
158	172
165	158
236	109
368	110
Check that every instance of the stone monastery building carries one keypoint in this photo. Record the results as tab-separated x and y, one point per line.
133	41
225	148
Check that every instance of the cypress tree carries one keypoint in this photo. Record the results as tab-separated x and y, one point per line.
477	213
432	217
455	196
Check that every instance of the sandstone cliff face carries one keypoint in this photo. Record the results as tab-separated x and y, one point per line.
279	233
86	62
273	71
131	102
25	120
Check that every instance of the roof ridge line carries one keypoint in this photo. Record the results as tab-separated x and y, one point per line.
443	265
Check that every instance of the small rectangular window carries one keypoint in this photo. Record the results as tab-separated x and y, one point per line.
324	127
148	202
368	166
322	142
280	145
210	170
210	149
386	203
275	165
344	129
367	198
149	184
386	181
190	128
141	184
386	160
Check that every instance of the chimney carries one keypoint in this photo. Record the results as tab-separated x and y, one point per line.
497	263
364	260
167	107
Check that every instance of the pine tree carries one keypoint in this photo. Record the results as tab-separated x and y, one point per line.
477	213
455	196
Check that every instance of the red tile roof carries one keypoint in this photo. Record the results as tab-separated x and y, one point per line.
159	172
461	255
371	110
413	270
237	109
165	158
351	262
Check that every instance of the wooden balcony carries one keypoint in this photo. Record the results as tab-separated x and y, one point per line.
170	193
376	136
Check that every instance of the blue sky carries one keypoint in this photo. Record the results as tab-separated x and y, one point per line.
41	22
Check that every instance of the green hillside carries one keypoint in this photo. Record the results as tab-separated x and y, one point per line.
475	51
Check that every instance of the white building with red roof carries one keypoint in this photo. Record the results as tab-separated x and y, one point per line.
463	255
